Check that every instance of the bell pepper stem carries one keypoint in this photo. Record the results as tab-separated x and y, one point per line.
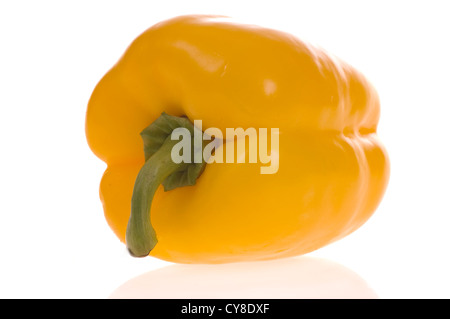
140	235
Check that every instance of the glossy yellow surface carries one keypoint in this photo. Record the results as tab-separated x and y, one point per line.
333	170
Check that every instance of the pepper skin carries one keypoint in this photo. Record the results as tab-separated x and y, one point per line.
333	170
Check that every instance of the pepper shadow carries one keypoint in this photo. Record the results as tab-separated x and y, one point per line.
291	278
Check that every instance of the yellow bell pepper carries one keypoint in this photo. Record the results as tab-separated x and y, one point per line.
333	170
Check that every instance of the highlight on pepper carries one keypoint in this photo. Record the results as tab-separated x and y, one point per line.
179	189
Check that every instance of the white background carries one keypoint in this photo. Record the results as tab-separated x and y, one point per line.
54	241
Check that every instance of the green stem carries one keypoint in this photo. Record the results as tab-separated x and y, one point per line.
158	169
140	235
